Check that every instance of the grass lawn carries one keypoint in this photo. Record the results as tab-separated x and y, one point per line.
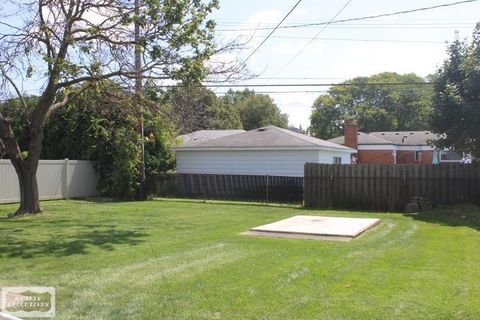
186	260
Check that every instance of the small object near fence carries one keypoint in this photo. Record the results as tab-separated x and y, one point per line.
389	187
259	188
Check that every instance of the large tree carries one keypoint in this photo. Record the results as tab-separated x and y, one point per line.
99	125
69	45
376	107
456	99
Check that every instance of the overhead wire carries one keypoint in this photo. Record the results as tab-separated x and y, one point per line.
313	39
254	85
361	40
302	25
271	33
243	63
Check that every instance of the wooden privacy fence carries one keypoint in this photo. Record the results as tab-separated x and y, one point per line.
389	187
262	188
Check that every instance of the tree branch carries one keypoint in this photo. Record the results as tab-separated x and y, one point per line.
8	140
17	90
68	96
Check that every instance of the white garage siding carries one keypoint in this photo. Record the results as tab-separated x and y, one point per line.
252	162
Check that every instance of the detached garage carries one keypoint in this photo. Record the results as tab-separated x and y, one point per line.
269	150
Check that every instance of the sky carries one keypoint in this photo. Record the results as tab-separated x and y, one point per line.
414	42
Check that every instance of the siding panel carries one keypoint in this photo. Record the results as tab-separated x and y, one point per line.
276	163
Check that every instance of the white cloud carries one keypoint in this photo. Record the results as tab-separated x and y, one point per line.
367	59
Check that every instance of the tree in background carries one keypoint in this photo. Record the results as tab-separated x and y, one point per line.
376	107
71	45
198	108
259	111
456	98
223	116
233	98
255	110
15	111
326	120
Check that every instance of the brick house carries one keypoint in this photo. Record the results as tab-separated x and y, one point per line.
394	146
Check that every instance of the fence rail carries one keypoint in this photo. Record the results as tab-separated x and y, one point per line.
262	188
389	187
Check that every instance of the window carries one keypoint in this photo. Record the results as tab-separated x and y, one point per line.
417	155
337	160
451	156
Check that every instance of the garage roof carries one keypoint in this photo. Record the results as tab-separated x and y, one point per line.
408	138
269	137
363	138
205	135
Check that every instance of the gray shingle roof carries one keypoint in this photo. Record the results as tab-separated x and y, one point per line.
363	138
269	137
407	138
205	135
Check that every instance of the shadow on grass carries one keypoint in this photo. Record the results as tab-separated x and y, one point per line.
453	215
14	245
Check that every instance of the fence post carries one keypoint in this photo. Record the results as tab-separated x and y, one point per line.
66	178
204	187
266	191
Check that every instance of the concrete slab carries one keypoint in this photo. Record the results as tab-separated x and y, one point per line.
316	227
293	236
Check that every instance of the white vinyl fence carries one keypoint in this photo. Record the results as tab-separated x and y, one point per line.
57	179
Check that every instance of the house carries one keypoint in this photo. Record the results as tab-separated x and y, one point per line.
394	146
269	150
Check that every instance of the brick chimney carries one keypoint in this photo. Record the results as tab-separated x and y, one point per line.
351	134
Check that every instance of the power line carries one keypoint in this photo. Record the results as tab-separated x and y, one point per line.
270	34
284	92
439	21
369	26
261	44
313	39
258	85
290	78
361	40
417	89
308	85
357	18
260	26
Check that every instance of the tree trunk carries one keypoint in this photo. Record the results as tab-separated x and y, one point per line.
29	197
26	169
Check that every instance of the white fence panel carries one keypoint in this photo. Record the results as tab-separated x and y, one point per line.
8	182
57	179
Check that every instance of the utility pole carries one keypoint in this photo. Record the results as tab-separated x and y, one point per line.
138	92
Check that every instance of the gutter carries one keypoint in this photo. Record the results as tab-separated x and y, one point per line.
180	148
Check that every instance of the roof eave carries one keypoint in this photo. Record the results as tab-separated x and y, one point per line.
196	148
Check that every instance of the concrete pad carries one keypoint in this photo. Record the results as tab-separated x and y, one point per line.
316	227
293	236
